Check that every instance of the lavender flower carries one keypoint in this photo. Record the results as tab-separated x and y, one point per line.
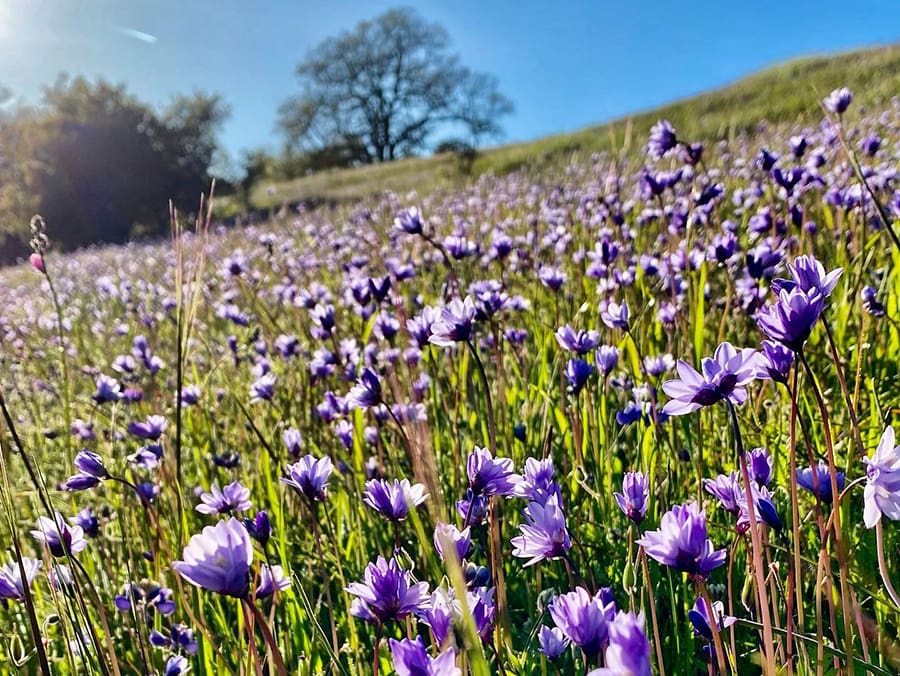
817	480
12	586
411	658
263	388
309	477
259	527
838	101
393	499
60	538
606	358
580	342
386	593
108	389
662	139
409	221
489	475
870	302
702	618
439	614
447	534
578	372
180	637
537	483
271	579
682	542
293	441
764	508
552	642
615	316
583	619
810	276
726	489
367	391
87	521
233	498
91	471
544	535
882	491
723	377
218	559
628	652
791	319
633	498
152	429
456	324
759	466
552	278
775	361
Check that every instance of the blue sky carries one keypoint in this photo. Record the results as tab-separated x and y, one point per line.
564	64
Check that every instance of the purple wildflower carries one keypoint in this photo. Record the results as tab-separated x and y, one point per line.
791	318
271	579
552	642
726	489
615	316
662	139
233	498
817	480
309	477
633	498
393	499
218	559
628	652
12	586
456	324
152	429
60	538
544	536
580	342
723	377
882	492
759	466
447	534
367	391
108	389
838	101
386	593
682	542
583	619
489	475
411	658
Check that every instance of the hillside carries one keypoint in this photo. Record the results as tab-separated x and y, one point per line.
783	93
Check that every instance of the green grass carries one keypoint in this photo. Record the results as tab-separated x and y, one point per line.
782	94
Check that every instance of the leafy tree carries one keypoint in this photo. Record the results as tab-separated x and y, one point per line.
389	84
100	165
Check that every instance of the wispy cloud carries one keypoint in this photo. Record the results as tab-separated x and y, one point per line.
135	34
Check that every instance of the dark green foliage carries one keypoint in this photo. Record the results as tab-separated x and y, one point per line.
100	165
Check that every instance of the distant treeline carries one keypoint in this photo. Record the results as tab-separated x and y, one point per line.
100	165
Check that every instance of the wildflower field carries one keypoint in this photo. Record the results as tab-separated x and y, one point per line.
629	416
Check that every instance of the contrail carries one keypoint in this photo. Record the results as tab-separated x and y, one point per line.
136	34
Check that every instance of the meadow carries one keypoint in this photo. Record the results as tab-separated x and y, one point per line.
630	415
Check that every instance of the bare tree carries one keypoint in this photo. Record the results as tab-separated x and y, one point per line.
389	83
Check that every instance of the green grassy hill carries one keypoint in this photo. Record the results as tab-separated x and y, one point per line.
781	94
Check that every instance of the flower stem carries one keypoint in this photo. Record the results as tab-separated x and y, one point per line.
756	544
882	565
714	626
275	652
660	666
492	430
835	513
